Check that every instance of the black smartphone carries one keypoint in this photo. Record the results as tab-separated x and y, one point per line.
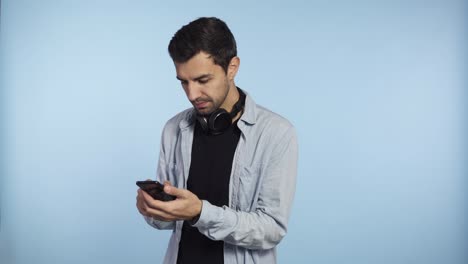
156	190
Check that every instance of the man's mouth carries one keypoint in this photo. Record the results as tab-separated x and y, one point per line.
201	105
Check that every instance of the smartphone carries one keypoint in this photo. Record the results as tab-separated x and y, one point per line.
156	190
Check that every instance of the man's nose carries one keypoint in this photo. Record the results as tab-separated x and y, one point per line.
193	91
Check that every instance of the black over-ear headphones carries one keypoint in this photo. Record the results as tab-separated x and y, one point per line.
220	120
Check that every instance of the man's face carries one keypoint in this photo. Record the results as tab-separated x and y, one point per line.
205	83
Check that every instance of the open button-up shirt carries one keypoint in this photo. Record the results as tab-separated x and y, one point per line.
261	189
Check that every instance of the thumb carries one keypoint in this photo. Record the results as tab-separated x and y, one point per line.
169	189
167	183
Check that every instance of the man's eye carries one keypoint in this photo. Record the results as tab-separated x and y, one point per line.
183	82
203	81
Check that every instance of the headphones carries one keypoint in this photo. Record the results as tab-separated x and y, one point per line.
220	120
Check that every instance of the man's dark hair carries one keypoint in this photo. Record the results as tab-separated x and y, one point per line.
207	34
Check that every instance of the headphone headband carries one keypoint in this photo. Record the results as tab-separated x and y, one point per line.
239	105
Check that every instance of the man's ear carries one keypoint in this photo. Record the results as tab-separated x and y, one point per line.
233	67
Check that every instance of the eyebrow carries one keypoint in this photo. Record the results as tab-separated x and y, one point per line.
207	75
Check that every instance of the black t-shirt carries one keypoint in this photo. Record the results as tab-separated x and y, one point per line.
210	171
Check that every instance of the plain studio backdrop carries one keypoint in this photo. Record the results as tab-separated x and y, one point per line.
376	90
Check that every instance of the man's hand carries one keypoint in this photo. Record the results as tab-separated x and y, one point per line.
185	207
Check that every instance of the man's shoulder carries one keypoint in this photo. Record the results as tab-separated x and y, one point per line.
266	117
173	124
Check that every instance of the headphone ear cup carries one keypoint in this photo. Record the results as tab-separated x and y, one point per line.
219	121
203	122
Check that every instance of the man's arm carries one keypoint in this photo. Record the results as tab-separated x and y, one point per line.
267	225
261	229
142	204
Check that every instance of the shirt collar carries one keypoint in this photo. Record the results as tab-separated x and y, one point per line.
248	116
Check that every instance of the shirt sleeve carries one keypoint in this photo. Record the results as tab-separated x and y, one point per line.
159	224
162	175
264	227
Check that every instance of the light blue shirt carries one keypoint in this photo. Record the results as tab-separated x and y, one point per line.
261	187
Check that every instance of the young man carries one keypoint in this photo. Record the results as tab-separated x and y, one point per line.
230	163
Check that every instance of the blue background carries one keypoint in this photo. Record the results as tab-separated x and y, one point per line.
376	90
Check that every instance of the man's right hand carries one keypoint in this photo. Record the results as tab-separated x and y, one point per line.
185	207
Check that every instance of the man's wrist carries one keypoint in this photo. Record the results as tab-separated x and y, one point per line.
194	219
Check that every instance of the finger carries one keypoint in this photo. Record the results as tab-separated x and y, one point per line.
145	209
150	202
144	199
141	206
167	183
143	196
160	215
142	211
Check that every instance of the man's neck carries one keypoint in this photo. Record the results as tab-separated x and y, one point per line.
231	98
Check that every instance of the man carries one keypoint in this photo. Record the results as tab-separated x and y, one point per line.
230	163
